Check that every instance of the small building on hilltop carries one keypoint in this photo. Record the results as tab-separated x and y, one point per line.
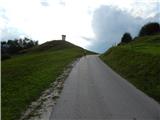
64	37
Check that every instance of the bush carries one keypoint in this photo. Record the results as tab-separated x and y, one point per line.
150	29
5	56
15	46
126	38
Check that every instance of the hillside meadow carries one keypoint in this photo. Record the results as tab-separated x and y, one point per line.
139	63
25	76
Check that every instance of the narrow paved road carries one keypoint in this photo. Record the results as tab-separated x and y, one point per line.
94	92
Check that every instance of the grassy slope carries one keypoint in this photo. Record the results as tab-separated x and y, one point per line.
24	77
139	62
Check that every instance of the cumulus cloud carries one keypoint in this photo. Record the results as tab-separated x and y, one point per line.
11	33
85	22
145	8
110	23
45	20
33	18
44	3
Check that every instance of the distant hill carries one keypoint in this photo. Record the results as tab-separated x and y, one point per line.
26	75
139	62
52	45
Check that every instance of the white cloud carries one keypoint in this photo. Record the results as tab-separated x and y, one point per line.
45	20
109	24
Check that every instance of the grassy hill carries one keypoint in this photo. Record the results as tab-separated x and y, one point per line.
138	62
25	76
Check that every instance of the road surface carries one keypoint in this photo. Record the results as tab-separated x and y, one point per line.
94	92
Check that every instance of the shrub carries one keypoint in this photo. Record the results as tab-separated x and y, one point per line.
15	46
126	38
150	29
5	56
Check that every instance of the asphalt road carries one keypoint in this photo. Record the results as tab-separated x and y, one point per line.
94	92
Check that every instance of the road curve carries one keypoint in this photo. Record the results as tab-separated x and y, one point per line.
94	92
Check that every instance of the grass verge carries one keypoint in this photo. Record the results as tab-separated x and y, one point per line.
139	63
24	77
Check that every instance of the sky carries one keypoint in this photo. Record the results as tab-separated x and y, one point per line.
92	24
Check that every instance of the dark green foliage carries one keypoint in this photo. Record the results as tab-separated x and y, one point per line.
126	38
11	47
150	29
5	56
138	62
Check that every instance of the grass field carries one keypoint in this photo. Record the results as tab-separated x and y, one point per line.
25	76
138	62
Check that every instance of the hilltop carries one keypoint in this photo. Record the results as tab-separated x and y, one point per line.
138	62
52	45
26	75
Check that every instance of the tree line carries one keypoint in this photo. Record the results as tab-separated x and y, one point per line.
11	47
147	29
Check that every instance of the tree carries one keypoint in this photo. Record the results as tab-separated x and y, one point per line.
126	38
150	29
15	46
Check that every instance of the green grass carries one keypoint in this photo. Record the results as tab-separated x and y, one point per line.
25	76
139	63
